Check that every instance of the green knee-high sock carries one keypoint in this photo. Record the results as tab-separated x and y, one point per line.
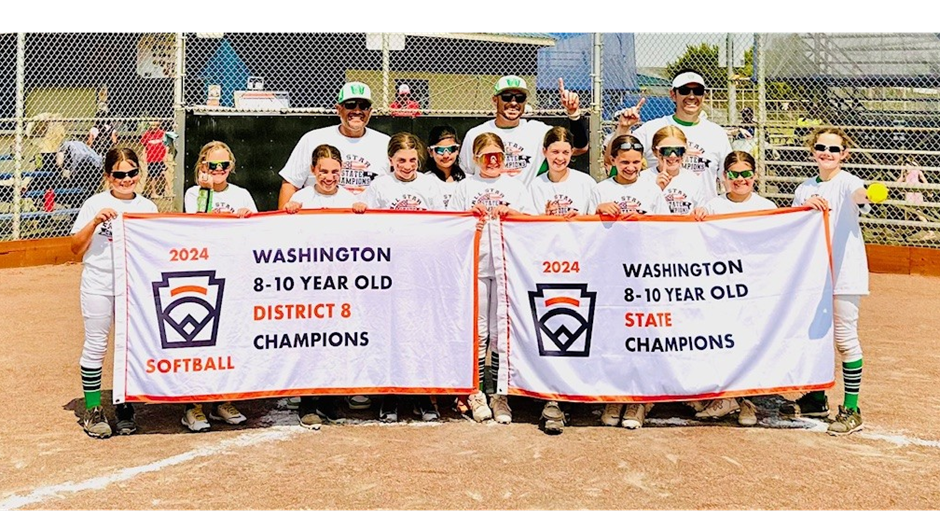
91	385
852	378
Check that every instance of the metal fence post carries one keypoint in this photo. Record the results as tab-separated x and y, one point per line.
732	89
596	149
385	70
179	115
18	146
761	130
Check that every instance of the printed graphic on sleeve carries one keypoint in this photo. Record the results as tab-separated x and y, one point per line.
188	308
563	315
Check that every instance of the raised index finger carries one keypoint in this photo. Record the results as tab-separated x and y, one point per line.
640	103
561	86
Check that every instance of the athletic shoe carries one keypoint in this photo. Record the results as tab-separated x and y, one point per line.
698	406
634	414
718	408
194	419
424	407
228	413
307	413
611	415
388	411
358	402
95	423
848	421
328	409
478	407
292	403
748	414
501	411
553	418
806	406
125	419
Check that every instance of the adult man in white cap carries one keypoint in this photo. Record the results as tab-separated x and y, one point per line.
523	138
708	141
404	105
365	151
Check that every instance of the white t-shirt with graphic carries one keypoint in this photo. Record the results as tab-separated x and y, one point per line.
230	200
310	199
98	262
523	148
447	190
503	190
722	204
849	261
574	193
364	159
390	193
642	196
683	193
705	153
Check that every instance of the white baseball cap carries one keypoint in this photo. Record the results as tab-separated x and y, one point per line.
404	89
510	82
687	78
354	90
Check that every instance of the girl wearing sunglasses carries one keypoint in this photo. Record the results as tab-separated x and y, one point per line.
212	192
681	187
740	172
490	194
623	194
443	163
844	195
91	237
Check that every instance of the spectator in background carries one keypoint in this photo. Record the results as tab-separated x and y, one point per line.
103	135
152	140
364	150
404	105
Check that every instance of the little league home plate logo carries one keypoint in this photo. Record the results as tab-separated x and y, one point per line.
188	306
563	315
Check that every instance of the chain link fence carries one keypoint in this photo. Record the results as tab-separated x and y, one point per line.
65	93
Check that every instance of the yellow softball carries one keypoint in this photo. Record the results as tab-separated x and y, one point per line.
877	192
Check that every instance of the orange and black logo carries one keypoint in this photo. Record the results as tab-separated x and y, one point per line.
563	315
188	308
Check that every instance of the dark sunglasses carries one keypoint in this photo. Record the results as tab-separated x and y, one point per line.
744	174
509	97
835	149
672	151
218	165
440	151
122	175
698	91
364	105
632	146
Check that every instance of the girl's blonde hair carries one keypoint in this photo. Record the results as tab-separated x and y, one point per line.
485	139
667	132
209	147
325	151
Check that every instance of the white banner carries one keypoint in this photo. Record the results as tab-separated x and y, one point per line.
213	307
666	308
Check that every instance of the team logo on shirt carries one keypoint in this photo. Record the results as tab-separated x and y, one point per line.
223	207
678	201
563	315
104	229
695	159
408	202
490	197
516	159
559	205
630	204
356	176
188	307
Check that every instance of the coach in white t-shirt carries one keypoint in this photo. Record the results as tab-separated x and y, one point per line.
523	138
364	150
707	141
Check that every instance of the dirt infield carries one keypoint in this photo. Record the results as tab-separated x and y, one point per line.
47	462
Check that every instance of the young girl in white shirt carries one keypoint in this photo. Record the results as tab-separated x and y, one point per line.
681	187
91	237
